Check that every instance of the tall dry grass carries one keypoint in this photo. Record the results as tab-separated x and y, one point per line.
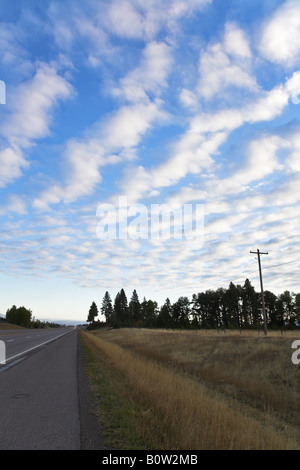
206	391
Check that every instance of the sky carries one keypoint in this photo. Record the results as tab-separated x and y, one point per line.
176	103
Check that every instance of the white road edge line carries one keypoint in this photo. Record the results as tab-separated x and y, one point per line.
37	346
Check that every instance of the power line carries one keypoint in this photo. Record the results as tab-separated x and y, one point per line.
281	264
246	274
229	279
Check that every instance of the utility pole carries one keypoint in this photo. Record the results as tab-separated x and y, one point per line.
258	253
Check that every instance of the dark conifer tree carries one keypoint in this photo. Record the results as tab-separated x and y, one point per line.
107	308
135	308
93	313
121	308
164	319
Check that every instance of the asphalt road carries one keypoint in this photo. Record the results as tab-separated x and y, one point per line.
19	342
45	402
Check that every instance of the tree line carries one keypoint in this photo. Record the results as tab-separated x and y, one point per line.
23	317
238	306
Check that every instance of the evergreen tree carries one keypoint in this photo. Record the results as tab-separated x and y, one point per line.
181	312
164	319
279	312
195	311
135	308
222	310
149	313
121	308
93	313
212	309
200	309
250	305
107	308
297	309
271	311
233	307
288	308
19	316
233	302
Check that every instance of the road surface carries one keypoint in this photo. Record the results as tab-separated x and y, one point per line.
18	342
43	405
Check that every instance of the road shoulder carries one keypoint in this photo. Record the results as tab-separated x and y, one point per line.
91	431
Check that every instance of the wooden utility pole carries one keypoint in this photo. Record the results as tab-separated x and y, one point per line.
258	253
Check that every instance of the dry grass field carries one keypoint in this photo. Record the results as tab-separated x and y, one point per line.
207	390
9	326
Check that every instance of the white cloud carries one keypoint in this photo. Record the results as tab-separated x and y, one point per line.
28	118
288	193
99	22
280	38
192	155
115	140
91	30
293	87
262	160
149	76
112	142
31	105
226	64
15	204
144	20
48	197
293	160
220	121
217	150
197	149
236	42
270	105
13	55
265	106
124	20
120	134
188	99
11	163
186	195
